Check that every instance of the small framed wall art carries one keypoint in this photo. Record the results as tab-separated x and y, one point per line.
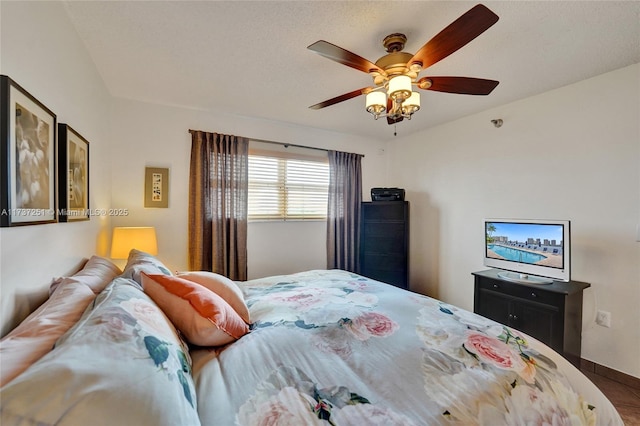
156	187
73	178
27	158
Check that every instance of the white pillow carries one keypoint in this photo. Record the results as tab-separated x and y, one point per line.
223	287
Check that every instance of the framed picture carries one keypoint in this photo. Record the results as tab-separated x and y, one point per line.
156	187
27	158
73	178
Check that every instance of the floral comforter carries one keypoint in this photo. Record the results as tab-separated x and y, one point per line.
335	348
123	363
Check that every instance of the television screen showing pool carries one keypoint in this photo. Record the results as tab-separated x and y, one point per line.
528	246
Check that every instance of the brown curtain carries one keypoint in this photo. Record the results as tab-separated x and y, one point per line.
218	188
343	215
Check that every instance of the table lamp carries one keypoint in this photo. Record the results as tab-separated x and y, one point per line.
141	238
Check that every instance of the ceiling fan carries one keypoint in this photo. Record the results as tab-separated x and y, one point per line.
395	73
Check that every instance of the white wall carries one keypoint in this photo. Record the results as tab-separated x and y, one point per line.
572	153
40	50
153	135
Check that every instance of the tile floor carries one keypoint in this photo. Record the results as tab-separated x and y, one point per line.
626	399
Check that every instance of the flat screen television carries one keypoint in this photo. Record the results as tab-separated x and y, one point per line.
528	251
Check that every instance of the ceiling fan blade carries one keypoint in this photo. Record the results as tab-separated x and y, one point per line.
460	32
339	99
344	57
460	85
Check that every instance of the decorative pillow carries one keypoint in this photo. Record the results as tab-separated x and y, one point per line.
96	274
223	287
202	316
36	335
139	262
121	364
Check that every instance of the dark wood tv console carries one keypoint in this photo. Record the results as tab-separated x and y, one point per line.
551	313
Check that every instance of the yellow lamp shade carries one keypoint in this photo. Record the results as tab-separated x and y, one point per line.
139	238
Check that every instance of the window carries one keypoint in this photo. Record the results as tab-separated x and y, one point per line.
287	186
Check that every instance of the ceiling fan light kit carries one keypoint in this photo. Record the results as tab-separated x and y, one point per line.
400	88
396	73
412	104
376	103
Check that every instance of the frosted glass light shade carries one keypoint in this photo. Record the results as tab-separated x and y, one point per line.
376	102
400	88
412	104
141	238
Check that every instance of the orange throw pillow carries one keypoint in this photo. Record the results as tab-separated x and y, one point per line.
203	317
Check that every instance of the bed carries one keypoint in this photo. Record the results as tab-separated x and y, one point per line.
323	347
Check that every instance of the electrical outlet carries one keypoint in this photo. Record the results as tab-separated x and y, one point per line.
603	318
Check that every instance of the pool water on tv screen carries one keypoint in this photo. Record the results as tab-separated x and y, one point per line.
526	243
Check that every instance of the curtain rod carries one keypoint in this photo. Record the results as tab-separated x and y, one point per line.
286	145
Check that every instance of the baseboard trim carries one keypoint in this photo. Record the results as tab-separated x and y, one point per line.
609	373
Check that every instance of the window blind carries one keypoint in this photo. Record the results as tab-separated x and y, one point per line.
287	188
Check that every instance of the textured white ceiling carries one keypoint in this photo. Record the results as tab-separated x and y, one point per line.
251	58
